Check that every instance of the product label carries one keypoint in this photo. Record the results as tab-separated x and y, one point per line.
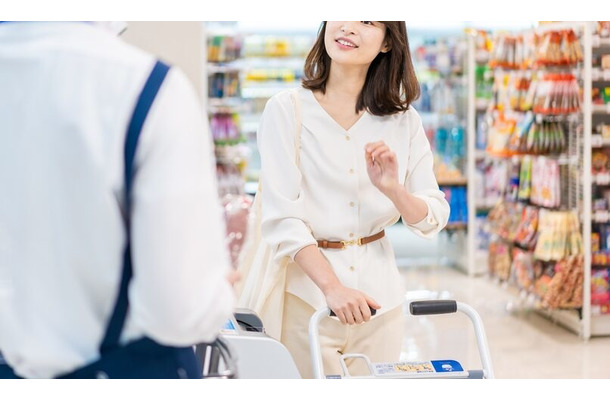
447	366
421	369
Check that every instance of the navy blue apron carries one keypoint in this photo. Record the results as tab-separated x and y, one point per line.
143	358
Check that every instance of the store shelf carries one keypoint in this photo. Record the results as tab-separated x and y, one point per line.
600	75
482	104
577	166
527	300
224	101
452	182
480	262
481	56
600	325
215	68
266	90
598	42
483	206
601	179
480	154
456	226
562	159
250	63
263	61
598	141
601	108
567	318
601	217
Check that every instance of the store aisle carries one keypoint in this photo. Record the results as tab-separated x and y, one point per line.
522	344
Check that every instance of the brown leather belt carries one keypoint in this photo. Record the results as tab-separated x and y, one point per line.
342	244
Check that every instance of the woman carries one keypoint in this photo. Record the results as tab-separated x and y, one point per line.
364	163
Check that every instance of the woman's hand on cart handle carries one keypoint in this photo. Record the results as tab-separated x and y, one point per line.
373	312
351	306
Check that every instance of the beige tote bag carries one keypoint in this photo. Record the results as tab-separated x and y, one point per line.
263	279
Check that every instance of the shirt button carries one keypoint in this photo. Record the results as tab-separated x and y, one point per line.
347	138
351	170
351	235
351	268
351	204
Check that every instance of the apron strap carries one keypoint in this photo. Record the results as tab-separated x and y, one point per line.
151	88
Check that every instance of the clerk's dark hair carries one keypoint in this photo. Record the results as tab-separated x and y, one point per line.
390	85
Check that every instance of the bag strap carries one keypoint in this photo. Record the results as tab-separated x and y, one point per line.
294	96
147	96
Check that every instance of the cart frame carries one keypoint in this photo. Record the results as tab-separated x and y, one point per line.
424	307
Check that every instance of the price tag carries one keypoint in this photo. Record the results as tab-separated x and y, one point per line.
595	41
608	108
607	74
596	141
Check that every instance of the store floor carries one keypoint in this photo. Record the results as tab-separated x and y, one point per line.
523	344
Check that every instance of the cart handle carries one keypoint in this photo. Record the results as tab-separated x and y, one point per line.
314	339
432	307
314	342
426	307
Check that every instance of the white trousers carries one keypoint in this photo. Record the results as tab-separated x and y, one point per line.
380	339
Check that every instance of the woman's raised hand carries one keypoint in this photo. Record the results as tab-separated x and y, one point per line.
382	166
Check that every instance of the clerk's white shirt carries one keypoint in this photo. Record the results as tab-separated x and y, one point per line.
330	195
67	94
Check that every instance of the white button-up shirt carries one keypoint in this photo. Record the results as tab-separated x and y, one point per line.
330	195
68	91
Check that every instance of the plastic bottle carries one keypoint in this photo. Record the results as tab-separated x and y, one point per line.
440	140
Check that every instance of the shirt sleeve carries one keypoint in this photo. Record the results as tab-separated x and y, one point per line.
421	182
284	225
179	295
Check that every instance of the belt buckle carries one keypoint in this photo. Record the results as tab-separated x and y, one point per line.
346	243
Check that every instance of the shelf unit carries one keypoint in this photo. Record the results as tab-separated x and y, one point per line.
270	61
222	99
477	57
598	324
439	61
583	321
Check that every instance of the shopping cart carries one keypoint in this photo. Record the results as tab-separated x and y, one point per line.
426	369
243	350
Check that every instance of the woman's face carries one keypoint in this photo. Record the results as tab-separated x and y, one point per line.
354	42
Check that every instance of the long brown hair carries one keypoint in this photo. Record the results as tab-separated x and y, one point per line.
390	85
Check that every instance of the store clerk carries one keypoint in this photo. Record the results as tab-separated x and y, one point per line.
365	162
68	94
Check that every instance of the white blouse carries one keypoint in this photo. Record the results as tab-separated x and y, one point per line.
329	195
